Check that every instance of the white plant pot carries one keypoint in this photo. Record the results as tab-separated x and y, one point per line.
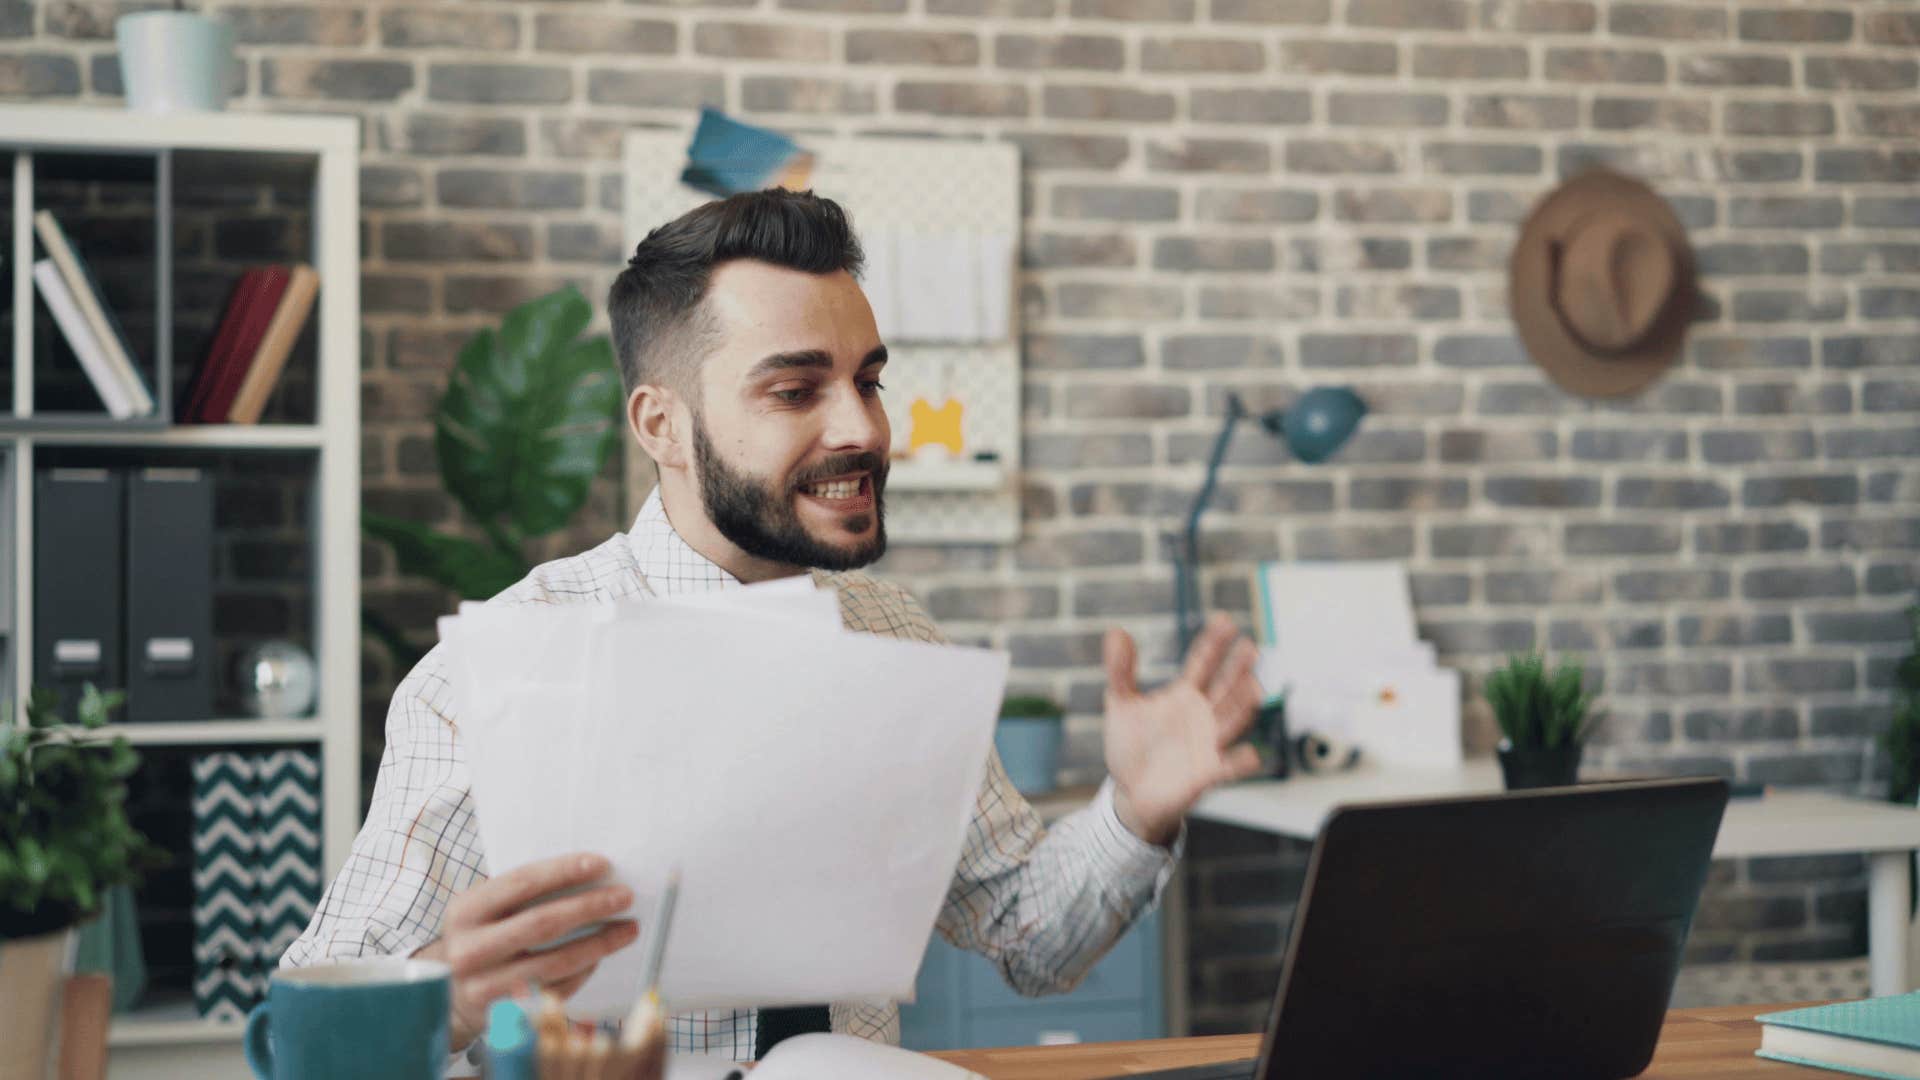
174	61
31	973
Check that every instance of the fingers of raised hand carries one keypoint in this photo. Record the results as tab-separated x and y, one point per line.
1121	660
1238	764
1230	677
1208	650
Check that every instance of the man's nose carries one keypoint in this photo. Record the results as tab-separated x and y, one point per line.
853	425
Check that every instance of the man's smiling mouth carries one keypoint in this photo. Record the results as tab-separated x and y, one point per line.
842	487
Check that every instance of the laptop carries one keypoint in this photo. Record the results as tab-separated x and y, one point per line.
1526	934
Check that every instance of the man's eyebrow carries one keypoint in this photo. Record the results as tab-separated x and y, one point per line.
803	358
808	358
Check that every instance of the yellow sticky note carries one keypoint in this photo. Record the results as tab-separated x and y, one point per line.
935	426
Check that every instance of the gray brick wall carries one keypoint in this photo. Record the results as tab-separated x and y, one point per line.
1259	195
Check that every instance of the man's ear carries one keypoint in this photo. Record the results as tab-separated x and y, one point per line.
654	415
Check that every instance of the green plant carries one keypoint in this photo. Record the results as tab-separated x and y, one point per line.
1538	711
528	420
64	834
1031	707
1902	737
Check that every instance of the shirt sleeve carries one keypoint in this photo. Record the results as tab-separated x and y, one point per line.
1044	905
419	845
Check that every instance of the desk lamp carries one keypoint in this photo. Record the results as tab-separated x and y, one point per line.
1314	427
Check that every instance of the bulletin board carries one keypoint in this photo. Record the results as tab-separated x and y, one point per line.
907	187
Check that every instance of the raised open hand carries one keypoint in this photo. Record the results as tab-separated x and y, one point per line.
1166	747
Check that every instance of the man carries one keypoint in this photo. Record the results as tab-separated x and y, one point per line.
753	369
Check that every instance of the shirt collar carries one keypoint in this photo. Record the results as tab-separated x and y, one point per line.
669	563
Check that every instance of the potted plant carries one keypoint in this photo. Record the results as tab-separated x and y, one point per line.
1028	740
530	415
1544	719
64	841
174	61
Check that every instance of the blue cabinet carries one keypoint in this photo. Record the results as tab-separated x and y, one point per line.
964	1002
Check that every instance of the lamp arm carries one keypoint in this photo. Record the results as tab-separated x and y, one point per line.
1187	581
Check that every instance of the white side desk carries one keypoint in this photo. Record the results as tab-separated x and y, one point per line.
1779	824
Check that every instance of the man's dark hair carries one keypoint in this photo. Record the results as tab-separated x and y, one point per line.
655	303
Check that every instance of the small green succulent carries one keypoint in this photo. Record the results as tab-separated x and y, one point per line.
1537	710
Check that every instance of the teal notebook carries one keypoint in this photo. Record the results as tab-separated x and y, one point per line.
1877	1037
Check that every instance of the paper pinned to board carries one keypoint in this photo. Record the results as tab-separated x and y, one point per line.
936	287
812	785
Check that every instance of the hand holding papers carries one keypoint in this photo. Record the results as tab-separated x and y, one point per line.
812	785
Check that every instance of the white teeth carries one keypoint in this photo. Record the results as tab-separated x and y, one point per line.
839	489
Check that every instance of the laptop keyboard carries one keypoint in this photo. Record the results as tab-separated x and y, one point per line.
1220	1070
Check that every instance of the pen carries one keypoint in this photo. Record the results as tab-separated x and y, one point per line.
657	933
651	959
643	1044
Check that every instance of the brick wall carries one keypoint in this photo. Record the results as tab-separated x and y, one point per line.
1262	195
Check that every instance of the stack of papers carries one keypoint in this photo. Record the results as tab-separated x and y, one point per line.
813	785
939	287
1339	642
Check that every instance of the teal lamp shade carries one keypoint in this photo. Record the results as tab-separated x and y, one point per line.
1318	423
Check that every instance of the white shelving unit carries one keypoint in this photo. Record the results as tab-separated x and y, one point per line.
169	1039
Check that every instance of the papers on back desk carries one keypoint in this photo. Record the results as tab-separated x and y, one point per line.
1342	644
813	785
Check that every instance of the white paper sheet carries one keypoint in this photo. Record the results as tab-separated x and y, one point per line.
993	256
937	287
813	786
1336	607
880	280
1411	717
818	1056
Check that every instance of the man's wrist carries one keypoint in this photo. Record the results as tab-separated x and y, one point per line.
1159	834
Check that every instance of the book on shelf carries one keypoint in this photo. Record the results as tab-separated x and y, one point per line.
105	329
265	314
73	325
225	341
1876	1037
270	357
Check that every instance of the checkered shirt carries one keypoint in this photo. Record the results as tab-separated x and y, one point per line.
1042	904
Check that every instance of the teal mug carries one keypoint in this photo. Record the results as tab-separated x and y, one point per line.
380	1019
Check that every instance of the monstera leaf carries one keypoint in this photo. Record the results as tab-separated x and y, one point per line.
474	570
528	419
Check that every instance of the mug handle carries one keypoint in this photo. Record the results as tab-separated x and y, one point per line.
259	1050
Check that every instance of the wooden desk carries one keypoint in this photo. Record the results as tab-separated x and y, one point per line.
1716	1043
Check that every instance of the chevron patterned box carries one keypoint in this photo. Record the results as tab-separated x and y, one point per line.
287	827
226	940
256	871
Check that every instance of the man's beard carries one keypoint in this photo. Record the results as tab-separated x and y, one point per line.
762	522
